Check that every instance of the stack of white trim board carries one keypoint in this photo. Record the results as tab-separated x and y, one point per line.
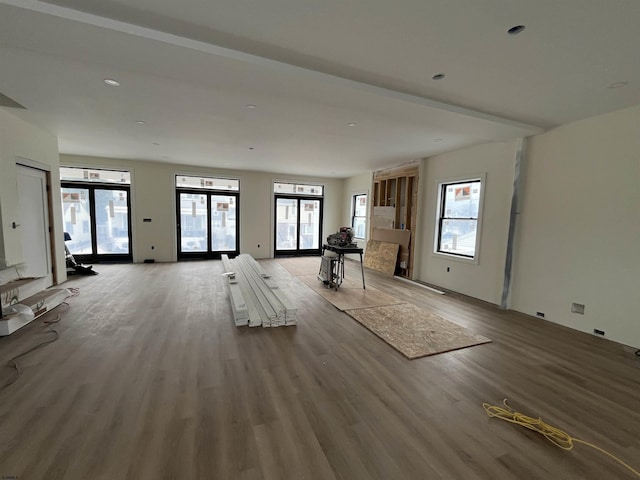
256	299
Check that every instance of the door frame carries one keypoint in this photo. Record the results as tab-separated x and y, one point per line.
96	257
45	176
209	254
297	252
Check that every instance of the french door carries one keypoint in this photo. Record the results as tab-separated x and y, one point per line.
298	226
207	224
98	221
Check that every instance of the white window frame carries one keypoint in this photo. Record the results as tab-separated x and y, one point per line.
440	199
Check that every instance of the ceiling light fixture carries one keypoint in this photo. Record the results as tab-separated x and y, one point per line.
111	82
251	148
618	84
438	76
140	122
352	124
515	30
251	106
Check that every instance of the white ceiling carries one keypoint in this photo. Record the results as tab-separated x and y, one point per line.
189	68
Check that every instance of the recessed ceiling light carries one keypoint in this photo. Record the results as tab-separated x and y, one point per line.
351	124
111	82
515	30
438	76
618	84
140	122
251	148
251	106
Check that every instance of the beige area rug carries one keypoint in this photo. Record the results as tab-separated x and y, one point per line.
415	332
350	295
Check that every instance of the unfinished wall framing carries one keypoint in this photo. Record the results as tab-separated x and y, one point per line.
395	197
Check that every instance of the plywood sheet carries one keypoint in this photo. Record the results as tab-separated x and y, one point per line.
297	266
381	256
415	332
392	235
350	295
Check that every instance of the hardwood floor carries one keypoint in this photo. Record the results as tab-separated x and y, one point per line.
150	379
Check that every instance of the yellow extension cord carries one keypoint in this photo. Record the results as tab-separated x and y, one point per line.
554	435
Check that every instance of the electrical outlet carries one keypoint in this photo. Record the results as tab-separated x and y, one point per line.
598	332
540	314
577	308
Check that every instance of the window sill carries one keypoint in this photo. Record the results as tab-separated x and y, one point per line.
456	258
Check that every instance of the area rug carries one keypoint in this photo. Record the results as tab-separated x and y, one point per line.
350	294
415	332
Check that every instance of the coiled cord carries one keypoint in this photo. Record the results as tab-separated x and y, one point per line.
556	436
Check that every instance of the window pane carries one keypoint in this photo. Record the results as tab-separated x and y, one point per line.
359	226
208	183
223	223
286	223
76	215
360	207
309	224
359	215
298	189
193	222
458	237
462	200
112	221
75	174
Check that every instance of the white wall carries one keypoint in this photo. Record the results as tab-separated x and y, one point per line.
578	236
21	139
153	196
482	279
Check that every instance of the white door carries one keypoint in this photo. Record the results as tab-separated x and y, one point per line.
34	223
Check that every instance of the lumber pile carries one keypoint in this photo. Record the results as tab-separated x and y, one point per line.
256	299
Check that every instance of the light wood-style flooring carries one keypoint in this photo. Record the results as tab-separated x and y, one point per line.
150	379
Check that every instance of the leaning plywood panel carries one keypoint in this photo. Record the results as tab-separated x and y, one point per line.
381	256
401	237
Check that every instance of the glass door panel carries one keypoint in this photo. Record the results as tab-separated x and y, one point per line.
298	225
309	224
76	208
286	224
112	221
223	223
194	236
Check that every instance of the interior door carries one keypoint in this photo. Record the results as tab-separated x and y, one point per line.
34	222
